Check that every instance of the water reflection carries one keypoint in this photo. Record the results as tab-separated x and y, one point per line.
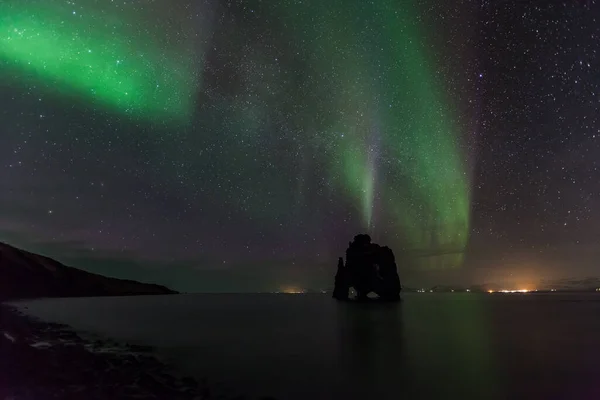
430	346
441	348
371	347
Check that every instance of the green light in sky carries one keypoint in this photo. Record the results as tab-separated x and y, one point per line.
383	77
358	65
426	143
95	56
369	192
358	173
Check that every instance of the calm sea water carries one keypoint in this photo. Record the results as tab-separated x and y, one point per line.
430	346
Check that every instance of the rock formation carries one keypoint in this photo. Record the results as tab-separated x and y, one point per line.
369	268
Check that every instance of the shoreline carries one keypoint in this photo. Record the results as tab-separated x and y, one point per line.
42	360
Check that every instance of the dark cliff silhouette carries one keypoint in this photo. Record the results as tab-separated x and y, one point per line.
369	268
26	275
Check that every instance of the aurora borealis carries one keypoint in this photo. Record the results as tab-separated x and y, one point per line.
96	52
257	138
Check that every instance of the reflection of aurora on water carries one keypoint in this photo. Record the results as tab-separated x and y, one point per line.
343	93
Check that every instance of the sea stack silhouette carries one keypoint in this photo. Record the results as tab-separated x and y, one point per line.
369	268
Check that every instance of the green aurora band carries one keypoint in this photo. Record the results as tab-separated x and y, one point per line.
368	107
437	215
399	155
110	60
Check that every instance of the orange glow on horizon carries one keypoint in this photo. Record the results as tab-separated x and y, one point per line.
292	290
512	291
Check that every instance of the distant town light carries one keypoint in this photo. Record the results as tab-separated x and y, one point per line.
513	291
292	290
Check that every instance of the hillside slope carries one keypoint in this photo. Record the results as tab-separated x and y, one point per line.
28	275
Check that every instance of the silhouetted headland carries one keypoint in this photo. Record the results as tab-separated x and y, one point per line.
25	275
369	268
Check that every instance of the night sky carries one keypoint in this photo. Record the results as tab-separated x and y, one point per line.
229	145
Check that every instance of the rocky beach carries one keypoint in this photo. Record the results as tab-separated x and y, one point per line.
41	360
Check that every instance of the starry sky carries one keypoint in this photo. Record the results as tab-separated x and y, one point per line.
239	145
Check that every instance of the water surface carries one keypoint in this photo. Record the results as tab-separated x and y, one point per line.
468	346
